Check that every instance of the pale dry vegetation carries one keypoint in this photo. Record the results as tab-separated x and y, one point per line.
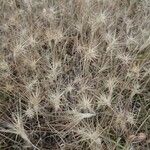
75	74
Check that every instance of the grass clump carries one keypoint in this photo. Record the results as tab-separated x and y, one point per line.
74	74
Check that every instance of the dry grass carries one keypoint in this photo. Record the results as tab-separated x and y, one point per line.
75	74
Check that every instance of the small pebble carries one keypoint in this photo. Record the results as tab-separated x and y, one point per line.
141	136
